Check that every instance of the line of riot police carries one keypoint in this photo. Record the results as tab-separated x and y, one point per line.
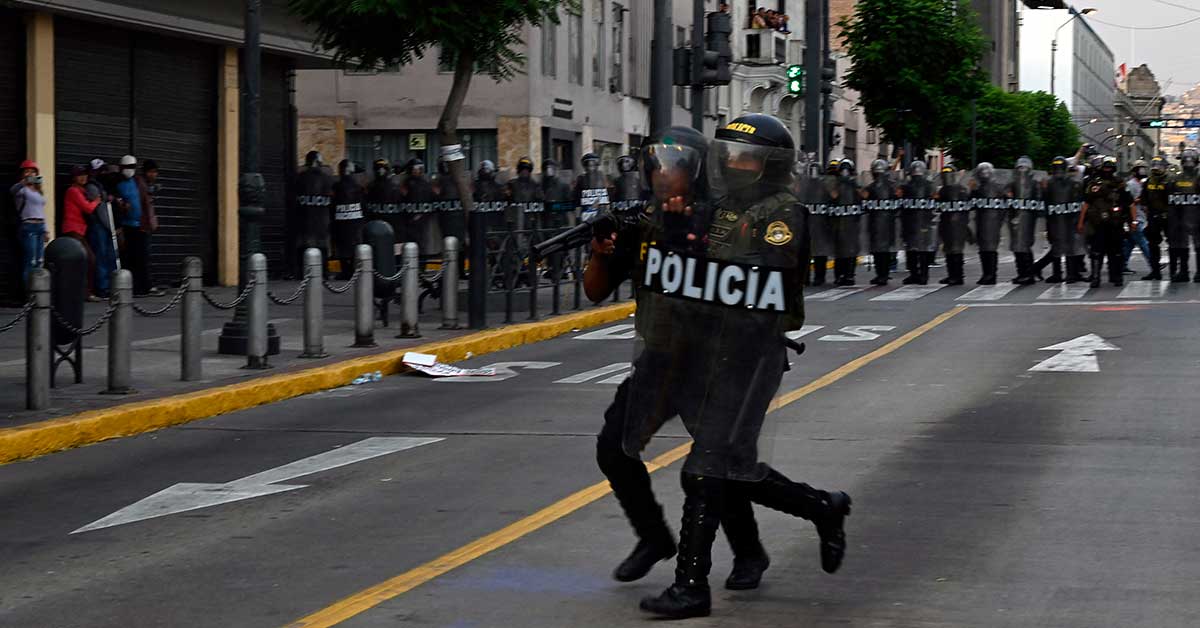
328	211
1084	211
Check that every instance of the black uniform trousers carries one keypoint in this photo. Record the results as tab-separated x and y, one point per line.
1107	239
1155	232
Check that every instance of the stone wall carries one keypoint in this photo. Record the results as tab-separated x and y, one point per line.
324	134
517	137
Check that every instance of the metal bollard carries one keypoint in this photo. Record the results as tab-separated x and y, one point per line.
364	298
191	321
37	343
256	314
314	335
119	328
411	287
450	265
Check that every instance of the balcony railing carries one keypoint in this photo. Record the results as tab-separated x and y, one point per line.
762	46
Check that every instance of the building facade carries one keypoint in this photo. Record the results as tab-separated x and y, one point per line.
1174	141
1138	100
585	88
1083	73
1002	34
159	81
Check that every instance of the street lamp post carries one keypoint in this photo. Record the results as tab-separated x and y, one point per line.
251	190
1054	43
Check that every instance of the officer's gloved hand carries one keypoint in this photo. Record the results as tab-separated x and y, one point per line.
683	224
604	246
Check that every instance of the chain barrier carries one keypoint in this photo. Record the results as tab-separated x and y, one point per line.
234	303
79	333
295	296
164	309
20	315
349	284
394	278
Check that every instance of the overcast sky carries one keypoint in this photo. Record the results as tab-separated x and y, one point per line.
1173	54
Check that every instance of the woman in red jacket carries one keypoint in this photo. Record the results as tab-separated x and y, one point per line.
76	208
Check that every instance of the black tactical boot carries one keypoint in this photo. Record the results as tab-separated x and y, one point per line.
631	485
883	262
819	264
990	261
1074	269
1181	257
954	269
749	558
1097	262
826	509
1155	266
690	595
846	274
1116	269
1025	272
1056	275
923	261
912	265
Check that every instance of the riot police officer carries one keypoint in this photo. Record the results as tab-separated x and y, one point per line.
880	206
715	356
1154	199
450	212
628	186
954	220
591	188
313	204
1025	208
822	243
845	217
990	202
419	196
525	198
347	216
1183	205
557	194
488	196
1064	200
1107	213
384	197
916	223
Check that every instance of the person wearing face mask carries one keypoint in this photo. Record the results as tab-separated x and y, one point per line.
916	223
880	207
525	198
557	195
133	209
990	202
954	220
845	217
1154	199
1107	213
383	200
1025	207
31	208
591	188
347	216
1183	213
1064	200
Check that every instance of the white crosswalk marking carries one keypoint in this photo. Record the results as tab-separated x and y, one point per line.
834	295
988	293
1065	292
587	376
1144	290
908	293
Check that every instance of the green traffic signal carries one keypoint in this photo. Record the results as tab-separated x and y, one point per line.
795	86
795	71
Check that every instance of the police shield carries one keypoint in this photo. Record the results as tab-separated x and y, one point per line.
917	209
881	207
954	210
714	306
1062	194
989	200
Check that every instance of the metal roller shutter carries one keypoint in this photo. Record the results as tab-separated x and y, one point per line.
277	157
12	148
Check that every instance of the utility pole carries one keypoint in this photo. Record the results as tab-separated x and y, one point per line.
251	186
661	69
827	60
813	64
697	65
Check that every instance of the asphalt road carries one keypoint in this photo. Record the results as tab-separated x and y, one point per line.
986	493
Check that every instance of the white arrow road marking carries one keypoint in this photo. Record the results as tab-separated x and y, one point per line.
1144	290
1065	292
624	331
834	294
909	293
989	293
587	376
1075	356
803	331
191	496
857	333
504	370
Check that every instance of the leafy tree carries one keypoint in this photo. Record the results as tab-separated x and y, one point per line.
1014	124
916	65
480	37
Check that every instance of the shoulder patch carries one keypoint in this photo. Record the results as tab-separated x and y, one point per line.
778	233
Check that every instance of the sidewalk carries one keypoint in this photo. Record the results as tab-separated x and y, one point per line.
156	354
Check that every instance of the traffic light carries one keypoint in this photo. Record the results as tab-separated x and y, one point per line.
828	76
718	49
795	79
683	67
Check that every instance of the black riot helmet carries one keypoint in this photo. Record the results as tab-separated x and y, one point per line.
1188	159
415	167
346	168
1158	166
550	168
626	163
755	150
832	166
382	168
1058	166
591	162
313	159
524	164
673	163
949	173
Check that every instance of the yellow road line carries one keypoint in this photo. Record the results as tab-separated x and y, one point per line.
93	426
367	599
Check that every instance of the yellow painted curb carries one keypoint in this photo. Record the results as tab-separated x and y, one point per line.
94	426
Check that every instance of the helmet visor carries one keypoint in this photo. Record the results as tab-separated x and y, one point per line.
671	170
737	166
